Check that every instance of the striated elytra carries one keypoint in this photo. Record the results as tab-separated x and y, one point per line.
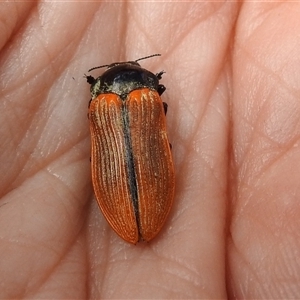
131	160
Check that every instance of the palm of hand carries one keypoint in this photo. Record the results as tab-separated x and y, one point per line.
232	88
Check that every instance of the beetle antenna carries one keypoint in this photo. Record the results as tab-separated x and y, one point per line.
97	68
103	66
147	57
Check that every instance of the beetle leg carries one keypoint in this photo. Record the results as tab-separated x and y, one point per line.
160	89
90	79
159	75
165	107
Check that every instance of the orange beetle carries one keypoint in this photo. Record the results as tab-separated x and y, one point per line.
131	160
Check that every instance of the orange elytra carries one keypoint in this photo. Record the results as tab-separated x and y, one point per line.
131	160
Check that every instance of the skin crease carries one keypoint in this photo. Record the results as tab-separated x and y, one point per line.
233	90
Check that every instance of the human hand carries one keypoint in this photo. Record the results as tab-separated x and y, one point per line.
233	94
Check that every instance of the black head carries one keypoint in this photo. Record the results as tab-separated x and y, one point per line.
121	78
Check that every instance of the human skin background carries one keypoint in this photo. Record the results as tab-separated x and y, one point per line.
233	89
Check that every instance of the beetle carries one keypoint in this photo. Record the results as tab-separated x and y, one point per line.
131	161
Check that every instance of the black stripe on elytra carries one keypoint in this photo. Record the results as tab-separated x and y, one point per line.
130	164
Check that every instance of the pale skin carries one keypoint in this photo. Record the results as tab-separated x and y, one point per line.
233	90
